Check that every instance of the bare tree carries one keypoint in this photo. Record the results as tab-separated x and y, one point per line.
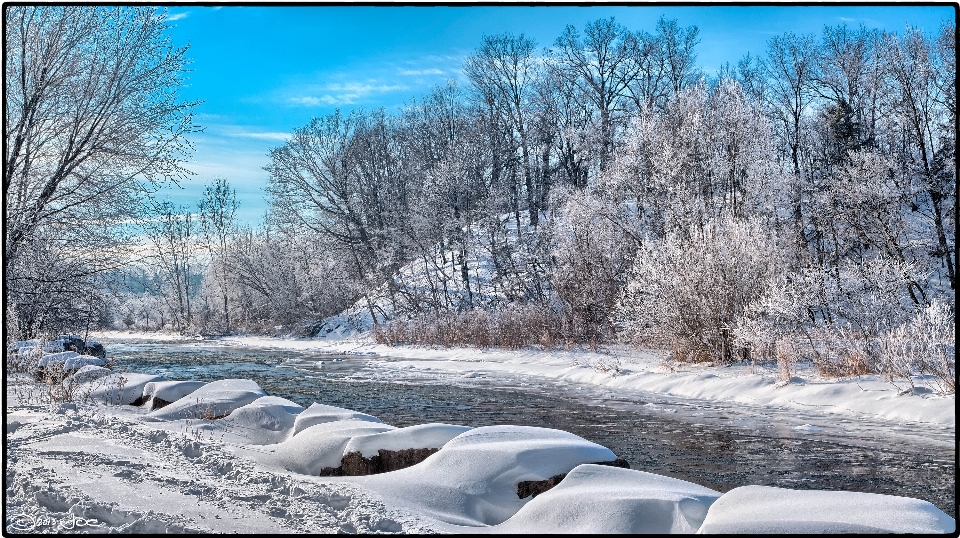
173	234
504	70
218	209
93	119
602	63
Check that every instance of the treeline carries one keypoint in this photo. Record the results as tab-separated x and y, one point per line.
801	202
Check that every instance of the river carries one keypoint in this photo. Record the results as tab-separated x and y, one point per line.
718	446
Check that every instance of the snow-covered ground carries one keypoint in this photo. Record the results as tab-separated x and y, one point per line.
226	457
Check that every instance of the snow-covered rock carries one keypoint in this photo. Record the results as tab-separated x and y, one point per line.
64	342
473	479
419	436
16	347
121	388
170	391
90	373
320	413
75	363
264	421
767	510
57	358
609	500
216	399
321	446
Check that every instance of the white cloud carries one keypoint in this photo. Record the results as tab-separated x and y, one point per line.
420	72
263	136
178	16
345	94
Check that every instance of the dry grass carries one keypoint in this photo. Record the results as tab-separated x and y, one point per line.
513	327
849	363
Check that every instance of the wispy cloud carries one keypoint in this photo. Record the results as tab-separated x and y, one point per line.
262	136
420	72
865	21
344	94
178	16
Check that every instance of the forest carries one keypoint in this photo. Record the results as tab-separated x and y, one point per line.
799	204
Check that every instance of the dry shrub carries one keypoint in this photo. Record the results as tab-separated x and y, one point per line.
849	363
690	350
513	327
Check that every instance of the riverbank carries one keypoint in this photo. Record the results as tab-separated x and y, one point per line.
622	368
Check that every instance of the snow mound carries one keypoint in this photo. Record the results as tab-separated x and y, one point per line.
264	421
320	413
321	446
120	389
55	358
419	436
766	509
473	479
170	391
76	363
216	399
70	360
15	347
90	372
610	500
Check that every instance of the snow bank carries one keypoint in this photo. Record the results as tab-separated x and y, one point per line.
469	485
473	479
610	500
213	400
766	510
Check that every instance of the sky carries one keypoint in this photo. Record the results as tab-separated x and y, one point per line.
262	72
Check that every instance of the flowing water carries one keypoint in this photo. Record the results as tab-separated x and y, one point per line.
718	446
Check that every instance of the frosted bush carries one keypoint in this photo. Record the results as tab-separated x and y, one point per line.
924	346
692	290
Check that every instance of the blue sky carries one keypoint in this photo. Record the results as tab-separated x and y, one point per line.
261	72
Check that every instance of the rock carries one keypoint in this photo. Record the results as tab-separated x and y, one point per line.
595	499
64	342
354	464
90	372
120	389
163	393
527	488
95	349
320	414
212	401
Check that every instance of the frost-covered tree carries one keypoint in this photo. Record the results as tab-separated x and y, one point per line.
503	71
93	122
172	233
602	63
217	211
